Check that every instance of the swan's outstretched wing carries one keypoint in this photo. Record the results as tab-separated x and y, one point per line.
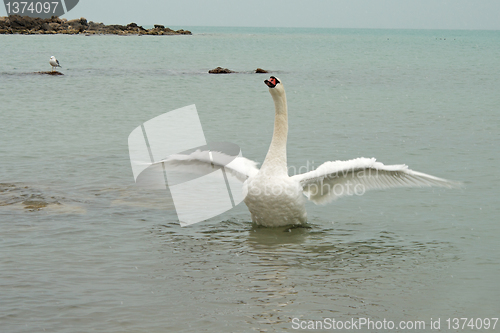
202	162
332	180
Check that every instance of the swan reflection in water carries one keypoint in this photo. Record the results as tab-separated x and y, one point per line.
265	276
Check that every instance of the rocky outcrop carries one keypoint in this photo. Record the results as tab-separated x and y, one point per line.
26	25
220	70
260	70
50	73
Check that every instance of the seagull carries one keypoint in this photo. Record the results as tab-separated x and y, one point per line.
54	62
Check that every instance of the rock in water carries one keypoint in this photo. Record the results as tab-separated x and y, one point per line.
26	25
220	70
50	73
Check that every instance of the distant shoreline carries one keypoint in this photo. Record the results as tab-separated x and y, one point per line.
26	25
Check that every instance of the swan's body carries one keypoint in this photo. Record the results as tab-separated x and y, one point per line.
54	62
275	199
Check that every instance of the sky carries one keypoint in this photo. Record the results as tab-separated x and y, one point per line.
377	14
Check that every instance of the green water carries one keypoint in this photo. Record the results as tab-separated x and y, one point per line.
82	249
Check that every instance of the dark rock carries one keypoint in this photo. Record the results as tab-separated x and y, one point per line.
47	27
79	25
55	19
50	73
25	22
93	26
55	25
116	27
134	26
260	70
183	32
220	70
3	22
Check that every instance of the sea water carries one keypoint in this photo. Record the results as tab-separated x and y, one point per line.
83	249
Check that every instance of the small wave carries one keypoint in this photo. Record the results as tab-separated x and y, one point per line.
22	197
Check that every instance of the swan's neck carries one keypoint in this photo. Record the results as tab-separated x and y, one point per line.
275	162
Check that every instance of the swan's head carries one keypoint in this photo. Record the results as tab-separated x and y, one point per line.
275	85
272	82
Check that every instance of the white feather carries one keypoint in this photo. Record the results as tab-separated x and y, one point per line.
332	180
201	162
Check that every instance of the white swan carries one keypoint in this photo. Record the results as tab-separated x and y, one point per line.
275	199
